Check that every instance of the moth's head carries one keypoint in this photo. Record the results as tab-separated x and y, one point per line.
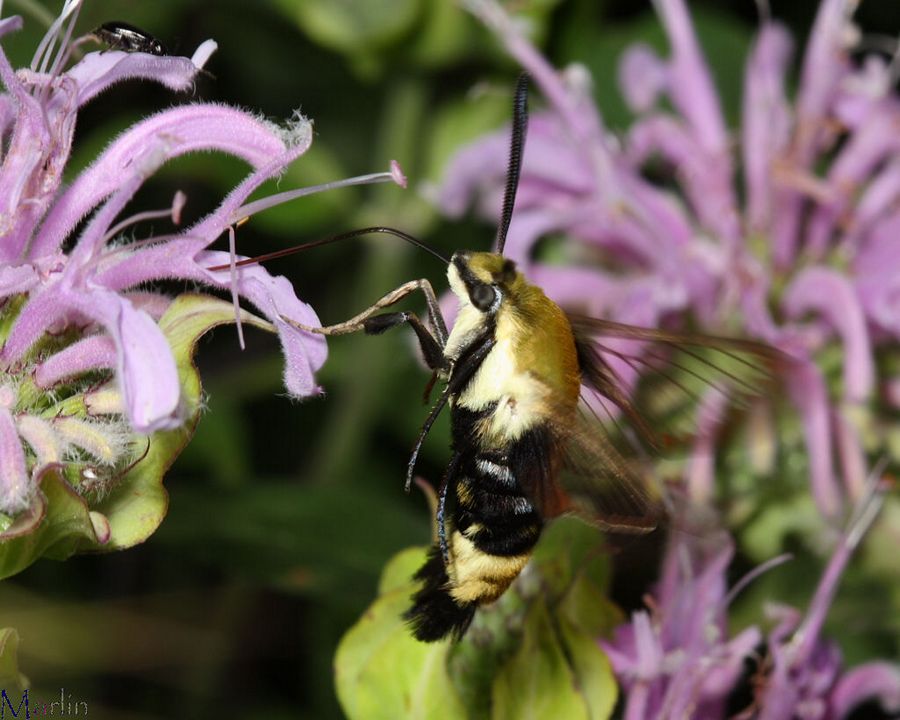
483	279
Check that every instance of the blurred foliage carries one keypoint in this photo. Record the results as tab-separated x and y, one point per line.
281	516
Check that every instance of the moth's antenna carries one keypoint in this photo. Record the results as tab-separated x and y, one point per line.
335	238
516	147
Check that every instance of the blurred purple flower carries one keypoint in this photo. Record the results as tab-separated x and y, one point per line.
69	313
678	660
811	257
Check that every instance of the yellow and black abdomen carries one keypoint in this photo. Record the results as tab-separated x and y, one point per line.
493	528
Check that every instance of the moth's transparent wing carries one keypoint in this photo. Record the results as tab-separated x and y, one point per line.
639	385
606	487
654	385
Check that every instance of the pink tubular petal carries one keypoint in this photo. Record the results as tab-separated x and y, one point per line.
705	178
875	680
146	369
98	71
10	24
147	372
582	119
649	653
91	353
830	294
304	353
808	393
877	200
690	83
185	129
551	162
700	474
15	279
824	67
766	119
90	242
877	276
642	77
203	53
589	291
15	485
173	258
43	440
25	153
40	312
852	456
298	139
863	152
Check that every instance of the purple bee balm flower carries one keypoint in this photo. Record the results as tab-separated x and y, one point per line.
807	259
68	313
678	661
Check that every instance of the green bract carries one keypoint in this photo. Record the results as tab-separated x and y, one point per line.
68	517
532	654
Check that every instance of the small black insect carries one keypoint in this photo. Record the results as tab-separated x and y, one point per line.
119	35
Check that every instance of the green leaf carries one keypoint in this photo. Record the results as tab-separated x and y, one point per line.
62	522
382	671
138	503
538	682
443	37
570	548
594	679
353	27
11	679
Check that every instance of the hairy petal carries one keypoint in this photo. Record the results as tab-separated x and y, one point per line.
98	71
304	352
146	369
191	128
94	352
23	193
15	486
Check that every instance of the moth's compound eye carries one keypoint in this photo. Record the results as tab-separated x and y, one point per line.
483	297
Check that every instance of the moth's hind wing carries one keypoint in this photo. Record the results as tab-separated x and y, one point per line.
614	491
570	465
653	382
643	391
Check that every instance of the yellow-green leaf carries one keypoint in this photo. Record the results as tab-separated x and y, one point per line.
594	679
11	679
537	682
382	671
